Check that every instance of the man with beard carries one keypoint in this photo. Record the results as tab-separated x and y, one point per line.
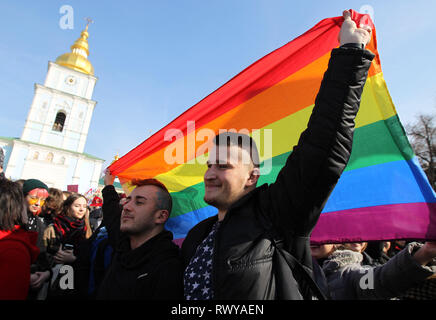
146	264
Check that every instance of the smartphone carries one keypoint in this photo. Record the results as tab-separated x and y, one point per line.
67	246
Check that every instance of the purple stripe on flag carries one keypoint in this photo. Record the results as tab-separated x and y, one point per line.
396	221
179	241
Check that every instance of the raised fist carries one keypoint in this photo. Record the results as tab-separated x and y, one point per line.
351	34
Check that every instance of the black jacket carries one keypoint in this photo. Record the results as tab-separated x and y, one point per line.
244	265
152	271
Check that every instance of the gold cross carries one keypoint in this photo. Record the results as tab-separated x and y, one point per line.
89	20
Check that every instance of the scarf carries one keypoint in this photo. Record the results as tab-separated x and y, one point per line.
69	230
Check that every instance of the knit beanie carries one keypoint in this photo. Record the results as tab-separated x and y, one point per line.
31	184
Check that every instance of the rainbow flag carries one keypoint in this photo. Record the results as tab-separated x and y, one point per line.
383	192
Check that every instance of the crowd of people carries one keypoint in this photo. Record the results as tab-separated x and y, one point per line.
41	229
258	245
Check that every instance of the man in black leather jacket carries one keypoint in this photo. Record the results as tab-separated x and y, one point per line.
231	255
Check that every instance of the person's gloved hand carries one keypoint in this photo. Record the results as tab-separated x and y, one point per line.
350	33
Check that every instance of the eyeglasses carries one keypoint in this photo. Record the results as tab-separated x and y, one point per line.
33	201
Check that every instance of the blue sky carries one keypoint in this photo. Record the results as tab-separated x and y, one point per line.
155	59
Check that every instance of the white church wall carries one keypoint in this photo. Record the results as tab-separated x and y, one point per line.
98	166
81	86
36	117
87	116
48	171
72	163
71	142
86	172
70	81
54	167
6	145
53	76
57	78
76	118
88	88
54	139
16	161
33	132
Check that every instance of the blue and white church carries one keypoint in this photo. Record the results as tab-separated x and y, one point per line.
51	147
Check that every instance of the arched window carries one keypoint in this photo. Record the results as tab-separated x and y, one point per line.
59	121
36	155
49	157
62	161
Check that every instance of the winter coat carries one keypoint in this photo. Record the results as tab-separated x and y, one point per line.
153	271
376	254
289	208
348	279
44	262
18	251
37	224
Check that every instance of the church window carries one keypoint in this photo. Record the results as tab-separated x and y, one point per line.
36	155
62	161
59	121
49	157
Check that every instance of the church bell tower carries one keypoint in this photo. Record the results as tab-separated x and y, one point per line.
62	108
51	147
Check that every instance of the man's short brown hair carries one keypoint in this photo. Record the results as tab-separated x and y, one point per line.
241	140
164	200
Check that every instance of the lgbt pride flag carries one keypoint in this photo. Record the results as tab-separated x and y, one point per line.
383	192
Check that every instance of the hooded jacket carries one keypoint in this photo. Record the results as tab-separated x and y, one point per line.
244	263
348	279
152	271
18	251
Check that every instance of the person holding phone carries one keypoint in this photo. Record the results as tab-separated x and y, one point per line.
69	229
64	237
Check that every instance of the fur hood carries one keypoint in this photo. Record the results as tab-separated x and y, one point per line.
340	259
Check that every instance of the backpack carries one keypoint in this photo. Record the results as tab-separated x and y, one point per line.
309	289
288	270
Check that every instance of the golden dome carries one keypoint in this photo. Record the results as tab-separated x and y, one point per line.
77	59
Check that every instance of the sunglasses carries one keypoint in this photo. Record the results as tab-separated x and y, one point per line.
33	201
